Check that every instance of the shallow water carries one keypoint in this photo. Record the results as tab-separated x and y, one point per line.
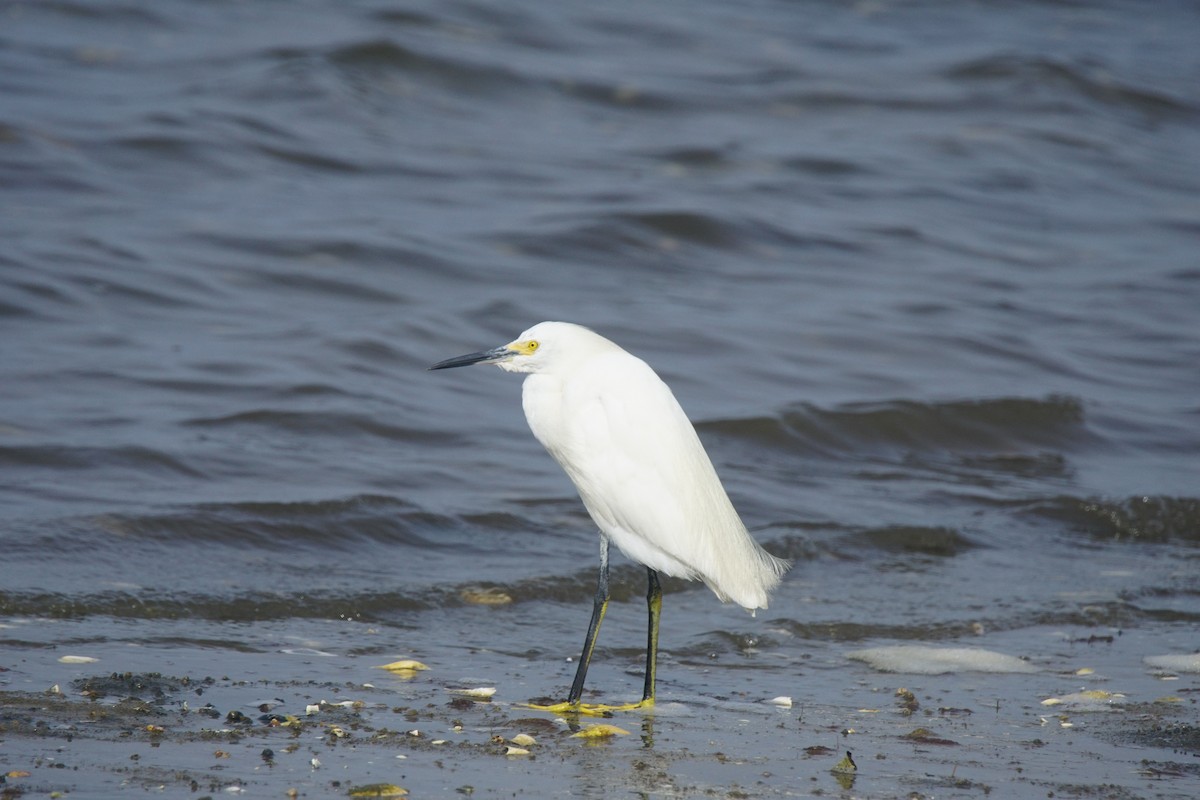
925	278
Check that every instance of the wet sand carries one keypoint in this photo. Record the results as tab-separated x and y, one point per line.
278	731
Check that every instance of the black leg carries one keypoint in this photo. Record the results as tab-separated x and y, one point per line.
599	605
654	603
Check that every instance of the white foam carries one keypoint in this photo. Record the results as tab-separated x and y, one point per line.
923	660
1189	662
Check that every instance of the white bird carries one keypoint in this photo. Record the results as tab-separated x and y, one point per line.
640	469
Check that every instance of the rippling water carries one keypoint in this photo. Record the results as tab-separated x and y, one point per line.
925	276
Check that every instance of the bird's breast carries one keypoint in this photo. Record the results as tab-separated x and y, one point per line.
542	400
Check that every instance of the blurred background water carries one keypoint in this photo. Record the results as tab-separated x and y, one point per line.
925	275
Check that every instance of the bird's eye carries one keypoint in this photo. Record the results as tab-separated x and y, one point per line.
533	345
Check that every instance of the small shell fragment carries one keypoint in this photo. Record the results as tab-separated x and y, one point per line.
783	701
523	740
479	693
600	731
378	790
515	751
77	660
1092	698
404	665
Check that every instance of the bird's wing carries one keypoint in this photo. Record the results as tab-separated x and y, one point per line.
644	475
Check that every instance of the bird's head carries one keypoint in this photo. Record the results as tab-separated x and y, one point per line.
535	350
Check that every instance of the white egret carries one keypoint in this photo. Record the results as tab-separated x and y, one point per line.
641	471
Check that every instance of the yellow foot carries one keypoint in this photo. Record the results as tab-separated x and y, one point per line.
590	709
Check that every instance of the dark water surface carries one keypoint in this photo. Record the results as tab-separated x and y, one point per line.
926	276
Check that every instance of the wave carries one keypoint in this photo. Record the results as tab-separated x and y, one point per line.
333	525
993	425
660	230
917	539
1042	77
254	606
288	601
315	422
1146	519
62	457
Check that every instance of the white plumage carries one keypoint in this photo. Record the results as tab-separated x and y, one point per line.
645	478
